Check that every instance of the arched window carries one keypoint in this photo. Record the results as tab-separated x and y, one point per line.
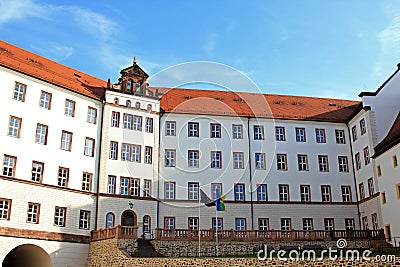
128	103
137	105
110	220
149	107
146	224
129	85
116	100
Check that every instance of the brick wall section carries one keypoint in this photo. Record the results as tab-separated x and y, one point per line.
106	253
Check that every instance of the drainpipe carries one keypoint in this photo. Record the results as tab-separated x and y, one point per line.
354	175
158	170
99	163
250	174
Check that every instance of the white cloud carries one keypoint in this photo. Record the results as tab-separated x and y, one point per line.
209	46
21	9
56	51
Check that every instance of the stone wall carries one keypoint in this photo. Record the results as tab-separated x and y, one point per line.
208	248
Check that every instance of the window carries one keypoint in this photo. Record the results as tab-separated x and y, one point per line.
320	135
280	133
126	152
238	160
113	150
323	163
147	188
128	120
9	165
169	223
263	224
89	147
60	216
240	224
237	131
33	213
69	109
193	223
307	224
110	220
260	161
281	161
349	224
124	186
86	181
262	192
169	158
92	115
170	128
379	170
111	184
305	194
363	127
216	159
116	101
286	224
326	193
258	132
371	188
361	190
149	125
329	224
216	189
394	160
193	129
388	233
128	103
398	190
63	175
354	133
343	164
340	139
41	134
302	162
148	155
66	141
84	219
136	153
149	107
239	192
169	189
45	100
283	192
193	191
14	127
146	224
346	193
115	119
300	134
129	85
383	195
5	209
215	129
375	224
37	171
366	155
134	187
358	161
217	224
19	92
193	158
137	105
137	123
365	223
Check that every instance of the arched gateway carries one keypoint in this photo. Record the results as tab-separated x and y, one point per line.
27	255
128	218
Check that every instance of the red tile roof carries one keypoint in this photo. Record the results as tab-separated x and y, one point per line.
391	139
214	102
31	64
185	100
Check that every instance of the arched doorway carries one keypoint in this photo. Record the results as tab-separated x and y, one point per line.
146	227
27	256
128	218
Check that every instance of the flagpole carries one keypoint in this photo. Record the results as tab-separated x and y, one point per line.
198	227
216	229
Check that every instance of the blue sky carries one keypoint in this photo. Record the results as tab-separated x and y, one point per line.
315	48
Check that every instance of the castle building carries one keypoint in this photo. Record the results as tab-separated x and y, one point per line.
81	154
